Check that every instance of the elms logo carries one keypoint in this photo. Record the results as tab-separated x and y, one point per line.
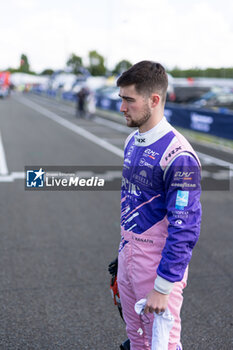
35	178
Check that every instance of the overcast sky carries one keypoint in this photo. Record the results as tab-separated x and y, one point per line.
180	33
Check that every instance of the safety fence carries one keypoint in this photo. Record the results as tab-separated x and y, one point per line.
217	122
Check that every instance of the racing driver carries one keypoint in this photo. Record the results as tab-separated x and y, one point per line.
160	206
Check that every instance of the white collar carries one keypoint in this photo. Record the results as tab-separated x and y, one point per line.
154	134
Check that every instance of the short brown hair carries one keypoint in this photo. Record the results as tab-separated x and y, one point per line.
147	76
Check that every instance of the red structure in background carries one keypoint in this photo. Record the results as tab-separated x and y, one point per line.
5	79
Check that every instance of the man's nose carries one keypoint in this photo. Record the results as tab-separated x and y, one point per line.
123	107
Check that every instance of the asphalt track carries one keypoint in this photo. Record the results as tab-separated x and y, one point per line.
55	246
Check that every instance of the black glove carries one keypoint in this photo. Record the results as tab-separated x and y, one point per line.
112	267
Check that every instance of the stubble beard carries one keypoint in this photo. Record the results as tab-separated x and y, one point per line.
146	114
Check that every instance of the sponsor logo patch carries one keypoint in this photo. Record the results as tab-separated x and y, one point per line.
174	151
178	222
143	162
183	175
140	139
130	151
150	153
182	198
183	184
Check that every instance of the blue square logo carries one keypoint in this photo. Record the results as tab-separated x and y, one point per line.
35	178
182	199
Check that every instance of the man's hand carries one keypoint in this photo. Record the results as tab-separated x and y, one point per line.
156	302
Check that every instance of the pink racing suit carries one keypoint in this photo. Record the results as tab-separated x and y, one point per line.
160	224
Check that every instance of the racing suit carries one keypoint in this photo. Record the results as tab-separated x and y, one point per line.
160	224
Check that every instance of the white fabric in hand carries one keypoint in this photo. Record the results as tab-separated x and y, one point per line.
161	326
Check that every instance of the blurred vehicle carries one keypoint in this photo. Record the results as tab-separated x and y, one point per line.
221	97
109	92
107	97
171	96
190	90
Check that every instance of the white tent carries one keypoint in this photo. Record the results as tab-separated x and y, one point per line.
22	79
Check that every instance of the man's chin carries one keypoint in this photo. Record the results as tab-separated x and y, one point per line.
130	123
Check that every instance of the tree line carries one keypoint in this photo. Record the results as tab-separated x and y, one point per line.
207	73
75	65
97	67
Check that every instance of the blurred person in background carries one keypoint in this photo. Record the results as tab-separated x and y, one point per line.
91	104
81	102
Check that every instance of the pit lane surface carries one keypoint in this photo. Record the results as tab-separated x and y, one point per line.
55	246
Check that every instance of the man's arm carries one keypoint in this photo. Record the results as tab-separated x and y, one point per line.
182	187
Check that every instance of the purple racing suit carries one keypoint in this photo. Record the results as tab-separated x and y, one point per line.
160	225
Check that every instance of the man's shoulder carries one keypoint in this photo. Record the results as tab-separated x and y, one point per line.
178	146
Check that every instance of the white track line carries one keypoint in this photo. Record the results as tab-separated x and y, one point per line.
97	119
3	165
220	162
73	127
80	131
112	125
12	177
214	160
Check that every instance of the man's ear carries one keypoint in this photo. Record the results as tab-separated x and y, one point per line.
155	100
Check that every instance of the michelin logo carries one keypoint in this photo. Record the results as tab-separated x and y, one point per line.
35	178
182	198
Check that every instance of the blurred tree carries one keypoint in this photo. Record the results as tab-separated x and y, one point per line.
121	67
47	71
96	64
18	70
198	72
75	63
24	64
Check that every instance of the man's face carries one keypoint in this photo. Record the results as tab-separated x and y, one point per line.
134	106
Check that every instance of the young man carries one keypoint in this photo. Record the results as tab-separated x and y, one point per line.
160	206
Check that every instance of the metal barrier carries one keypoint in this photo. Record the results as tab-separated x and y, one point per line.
218	123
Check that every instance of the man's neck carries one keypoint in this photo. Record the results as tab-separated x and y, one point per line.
151	123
